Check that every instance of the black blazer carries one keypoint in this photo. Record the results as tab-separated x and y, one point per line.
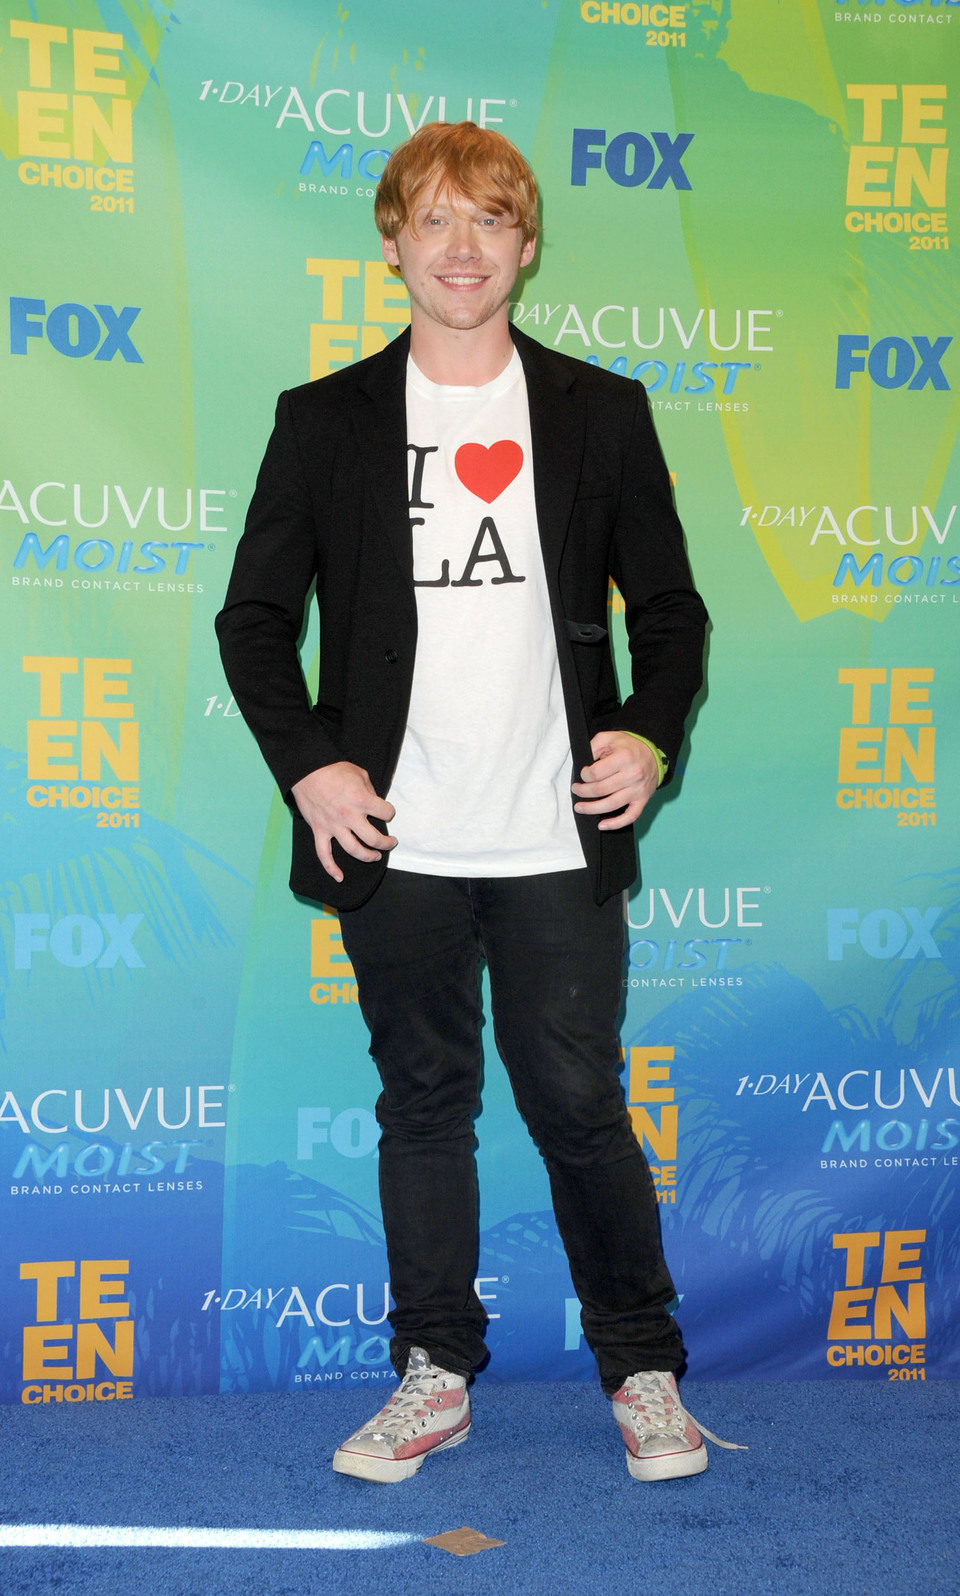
331	508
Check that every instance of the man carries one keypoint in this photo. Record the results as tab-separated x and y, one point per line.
462	500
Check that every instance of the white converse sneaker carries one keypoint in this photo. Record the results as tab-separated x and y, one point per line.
429	1411
662	1440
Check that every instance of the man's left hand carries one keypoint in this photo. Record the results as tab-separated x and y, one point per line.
622	777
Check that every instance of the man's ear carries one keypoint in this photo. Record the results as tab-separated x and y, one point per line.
528	251
388	249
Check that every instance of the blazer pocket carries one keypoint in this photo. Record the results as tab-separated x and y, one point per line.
595	490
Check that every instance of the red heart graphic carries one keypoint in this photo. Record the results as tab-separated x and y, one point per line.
486	472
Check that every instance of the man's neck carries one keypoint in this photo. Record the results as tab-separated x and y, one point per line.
461	359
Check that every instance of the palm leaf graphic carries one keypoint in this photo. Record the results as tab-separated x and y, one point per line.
57	863
762	1239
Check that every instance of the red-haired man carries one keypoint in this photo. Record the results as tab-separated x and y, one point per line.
464	789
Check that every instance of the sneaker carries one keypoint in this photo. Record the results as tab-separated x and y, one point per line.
429	1411
663	1442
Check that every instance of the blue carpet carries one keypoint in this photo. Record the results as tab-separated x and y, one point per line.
849	1487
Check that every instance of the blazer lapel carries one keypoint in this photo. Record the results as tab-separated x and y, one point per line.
558	421
381	427
558	418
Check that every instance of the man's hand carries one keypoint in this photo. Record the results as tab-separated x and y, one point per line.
623	776
336	801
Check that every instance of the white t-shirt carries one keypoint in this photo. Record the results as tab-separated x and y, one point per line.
482	786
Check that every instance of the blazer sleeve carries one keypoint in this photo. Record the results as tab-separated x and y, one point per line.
666	619
259	627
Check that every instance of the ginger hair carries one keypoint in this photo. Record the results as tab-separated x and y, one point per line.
475	163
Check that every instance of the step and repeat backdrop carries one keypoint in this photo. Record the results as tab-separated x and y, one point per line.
751	209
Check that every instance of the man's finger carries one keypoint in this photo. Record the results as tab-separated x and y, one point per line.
618	822
325	855
606	804
598	789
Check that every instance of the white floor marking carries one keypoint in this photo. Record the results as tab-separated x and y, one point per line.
176	1536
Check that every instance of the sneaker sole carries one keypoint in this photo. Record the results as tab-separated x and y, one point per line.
388	1470
669	1466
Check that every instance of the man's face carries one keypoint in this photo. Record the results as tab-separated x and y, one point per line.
459	263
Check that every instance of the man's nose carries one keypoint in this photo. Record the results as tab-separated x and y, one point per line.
463	244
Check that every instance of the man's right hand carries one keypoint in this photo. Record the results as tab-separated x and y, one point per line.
337	801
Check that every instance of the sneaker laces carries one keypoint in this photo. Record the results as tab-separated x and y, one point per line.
648	1396
410	1409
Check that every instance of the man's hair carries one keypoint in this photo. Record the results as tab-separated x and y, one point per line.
474	163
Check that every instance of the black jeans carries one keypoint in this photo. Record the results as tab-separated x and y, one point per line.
555	964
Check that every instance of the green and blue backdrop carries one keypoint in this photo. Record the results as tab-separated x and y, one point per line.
748	207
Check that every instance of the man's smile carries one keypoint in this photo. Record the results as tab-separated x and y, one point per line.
460	279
